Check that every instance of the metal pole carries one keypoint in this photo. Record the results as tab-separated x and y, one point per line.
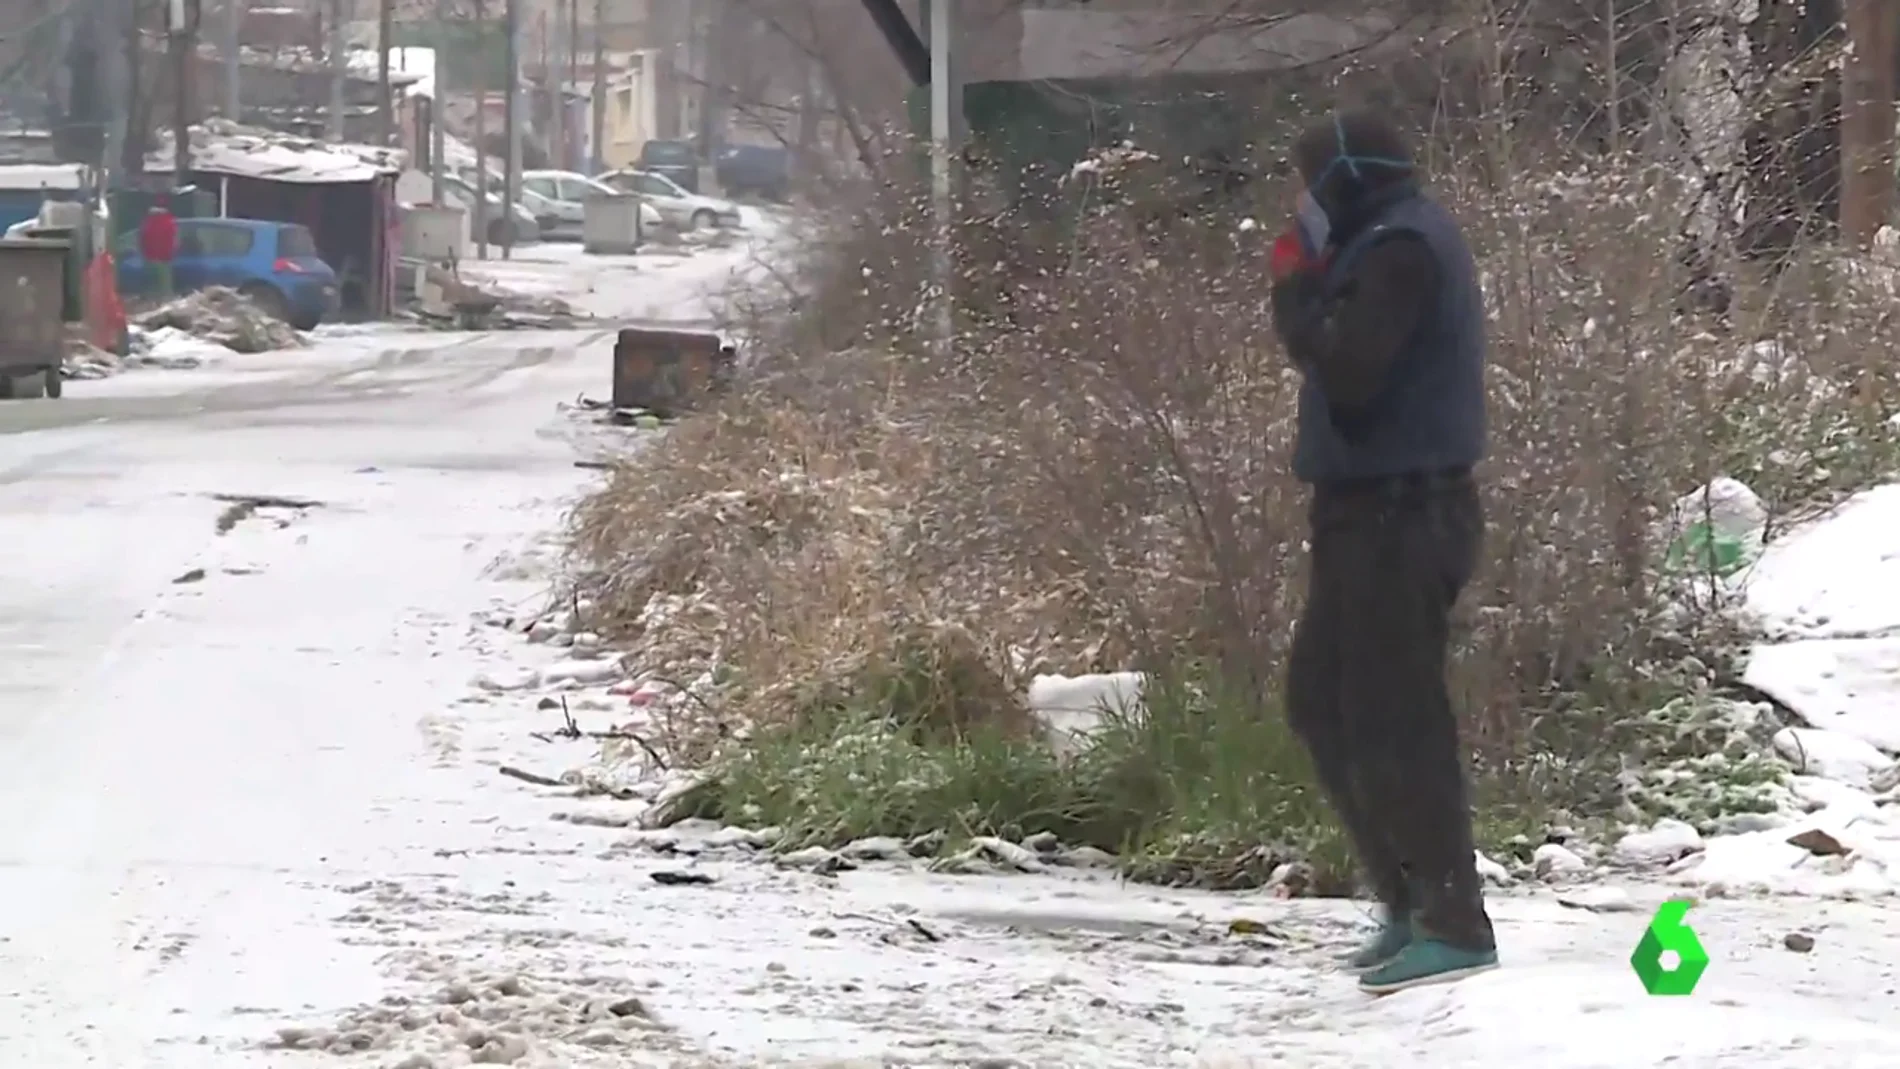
339	62
183	15
114	23
438	137
233	59
482	214
511	121
597	107
386	100
553	76
574	158
941	127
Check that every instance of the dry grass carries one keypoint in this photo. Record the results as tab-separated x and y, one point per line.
1096	479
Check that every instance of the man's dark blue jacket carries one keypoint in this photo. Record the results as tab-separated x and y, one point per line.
1390	338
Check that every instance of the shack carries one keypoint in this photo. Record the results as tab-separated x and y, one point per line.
344	193
26	186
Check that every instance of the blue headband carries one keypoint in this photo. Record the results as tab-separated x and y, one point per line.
1353	162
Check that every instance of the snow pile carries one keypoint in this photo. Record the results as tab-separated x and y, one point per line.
480	1018
1071	708
171	348
225	316
1826	599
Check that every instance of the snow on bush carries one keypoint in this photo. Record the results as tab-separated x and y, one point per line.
1097	475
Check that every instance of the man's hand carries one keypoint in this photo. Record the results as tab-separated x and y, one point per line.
1298	298
1287	258
1350	335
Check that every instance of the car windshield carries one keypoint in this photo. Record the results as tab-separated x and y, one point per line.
295	241
594	185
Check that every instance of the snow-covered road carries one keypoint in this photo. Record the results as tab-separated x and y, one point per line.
247	784
203	733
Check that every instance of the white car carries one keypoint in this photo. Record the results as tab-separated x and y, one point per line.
680	209
460	193
558	200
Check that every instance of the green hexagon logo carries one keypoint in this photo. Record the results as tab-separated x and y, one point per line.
1669	959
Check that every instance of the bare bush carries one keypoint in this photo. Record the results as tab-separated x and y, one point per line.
1096	478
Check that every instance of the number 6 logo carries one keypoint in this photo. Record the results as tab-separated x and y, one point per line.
1669	959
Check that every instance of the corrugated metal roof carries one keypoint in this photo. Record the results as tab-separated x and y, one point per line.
222	147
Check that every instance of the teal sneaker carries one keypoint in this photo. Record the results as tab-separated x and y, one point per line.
1392	937
1425	961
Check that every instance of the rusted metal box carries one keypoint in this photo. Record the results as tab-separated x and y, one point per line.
669	372
32	299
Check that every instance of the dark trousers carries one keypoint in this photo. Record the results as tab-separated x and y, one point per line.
1366	689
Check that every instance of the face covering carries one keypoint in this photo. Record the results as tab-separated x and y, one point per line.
1315	227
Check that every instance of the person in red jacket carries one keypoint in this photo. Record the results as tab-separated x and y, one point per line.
158	244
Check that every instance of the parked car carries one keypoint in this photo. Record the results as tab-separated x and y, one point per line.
460	193
754	170
674	159
677	207
274	264
559	201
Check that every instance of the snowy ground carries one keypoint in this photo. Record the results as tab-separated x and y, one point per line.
252	768
618	286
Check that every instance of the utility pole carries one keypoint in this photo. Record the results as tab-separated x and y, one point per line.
1867	119
1612	69
386	100
554	83
943	104
135	140
483	216
597	107
438	137
181	26
113	20
511	123
339	65
233	59
572	77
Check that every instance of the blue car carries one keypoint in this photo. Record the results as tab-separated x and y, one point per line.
274	264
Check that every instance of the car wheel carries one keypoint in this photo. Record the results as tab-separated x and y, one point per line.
55	382
498	233
267	299
703	220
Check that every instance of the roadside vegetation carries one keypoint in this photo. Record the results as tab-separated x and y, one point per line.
853	566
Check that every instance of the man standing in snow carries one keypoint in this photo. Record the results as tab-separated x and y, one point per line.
1376	297
158	244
